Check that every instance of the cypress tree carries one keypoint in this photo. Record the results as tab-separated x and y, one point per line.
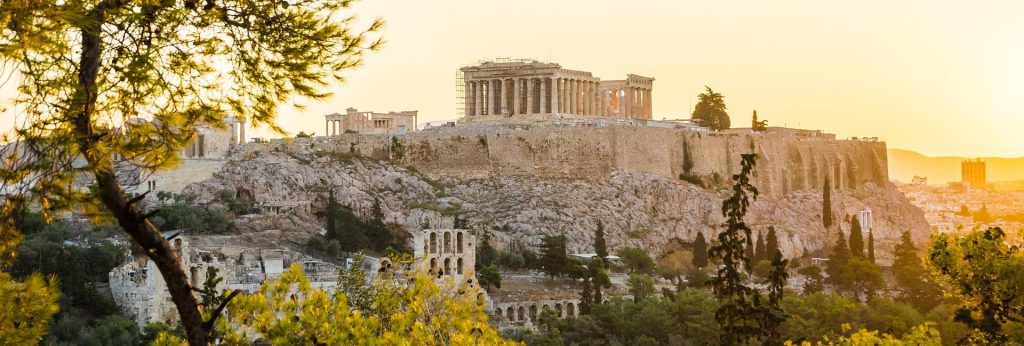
376	230
772	244
332	217
700	251
871	246
554	259
741	305
600	246
826	204
837	262
759	250
856	239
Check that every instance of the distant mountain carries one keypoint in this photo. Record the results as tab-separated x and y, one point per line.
905	164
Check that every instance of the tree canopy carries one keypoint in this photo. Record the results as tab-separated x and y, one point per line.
114	82
710	110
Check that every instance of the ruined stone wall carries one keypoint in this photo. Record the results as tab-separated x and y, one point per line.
787	163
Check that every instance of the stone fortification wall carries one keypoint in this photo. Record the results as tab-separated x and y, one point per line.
787	163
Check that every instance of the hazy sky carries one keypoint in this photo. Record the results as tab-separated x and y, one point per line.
938	77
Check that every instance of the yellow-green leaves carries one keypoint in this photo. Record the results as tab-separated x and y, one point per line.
289	311
26	308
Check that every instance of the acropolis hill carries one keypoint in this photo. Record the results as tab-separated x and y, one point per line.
548	163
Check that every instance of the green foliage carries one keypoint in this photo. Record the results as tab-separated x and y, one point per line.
692	179
772	243
814	281
180	211
303	134
290	311
988	276
856	238
600	246
758	126
697	278
89	69
237	205
675	264
710	110
863	278
353	234
485	253
740	311
637	260
27	305
837	263
687	160
554	258
760	250
871	246
761	269
700	251
826	204
641	286
913	283
689	319
773	317
489	276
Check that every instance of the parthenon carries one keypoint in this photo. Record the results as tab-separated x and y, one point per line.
537	90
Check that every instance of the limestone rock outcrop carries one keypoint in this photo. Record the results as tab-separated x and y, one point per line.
638	208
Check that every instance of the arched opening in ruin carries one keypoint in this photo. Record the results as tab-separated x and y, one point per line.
570	310
533	313
433	242
458	267
447	266
519	315
447	242
497	313
433	265
558	309
510	313
458	242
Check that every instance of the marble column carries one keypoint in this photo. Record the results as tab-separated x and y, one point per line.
587	93
564	83
529	96
478	100
573	96
544	93
516	82
503	106
466	101
648	105
555	109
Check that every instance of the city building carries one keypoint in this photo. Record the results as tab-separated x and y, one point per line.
973	173
354	121
533	90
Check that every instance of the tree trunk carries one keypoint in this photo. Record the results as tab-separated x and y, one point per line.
128	215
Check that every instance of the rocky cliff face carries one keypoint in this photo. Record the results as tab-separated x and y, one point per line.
638	208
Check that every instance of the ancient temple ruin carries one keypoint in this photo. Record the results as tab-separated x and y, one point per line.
528	89
354	121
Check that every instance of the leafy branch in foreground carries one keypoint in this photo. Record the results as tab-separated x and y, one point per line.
114	83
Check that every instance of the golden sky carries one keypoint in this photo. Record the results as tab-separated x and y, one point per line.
938	77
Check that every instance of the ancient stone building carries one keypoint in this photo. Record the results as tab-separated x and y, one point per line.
354	121
207	152
446	252
529	90
140	292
